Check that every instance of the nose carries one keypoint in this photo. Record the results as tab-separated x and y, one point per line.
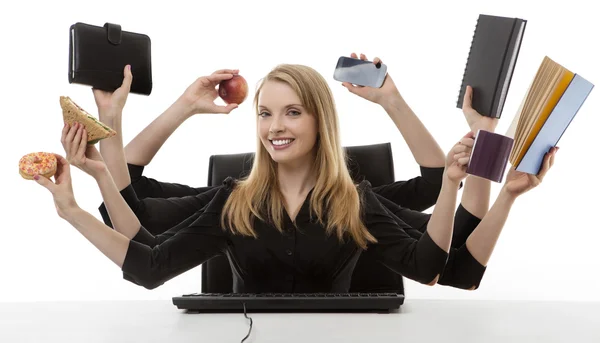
276	125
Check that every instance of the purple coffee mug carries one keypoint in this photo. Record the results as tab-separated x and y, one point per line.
490	154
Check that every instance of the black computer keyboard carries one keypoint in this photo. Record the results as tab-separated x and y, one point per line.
294	302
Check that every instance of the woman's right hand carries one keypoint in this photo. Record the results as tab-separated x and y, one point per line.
199	97
61	188
79	153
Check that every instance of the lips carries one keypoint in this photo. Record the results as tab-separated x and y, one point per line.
281	143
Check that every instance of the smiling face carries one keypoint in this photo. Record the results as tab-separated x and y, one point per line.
287	131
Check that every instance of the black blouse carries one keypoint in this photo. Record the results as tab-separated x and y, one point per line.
299	260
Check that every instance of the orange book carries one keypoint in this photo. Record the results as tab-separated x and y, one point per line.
548	86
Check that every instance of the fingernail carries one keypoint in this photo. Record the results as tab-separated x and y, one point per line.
36	177
129	66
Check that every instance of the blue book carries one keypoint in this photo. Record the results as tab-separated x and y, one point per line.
556	124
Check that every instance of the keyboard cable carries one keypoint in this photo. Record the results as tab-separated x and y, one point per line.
250	329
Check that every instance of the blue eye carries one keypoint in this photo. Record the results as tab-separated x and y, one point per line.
263	114
294	113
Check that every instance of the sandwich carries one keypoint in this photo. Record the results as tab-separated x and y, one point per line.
73	113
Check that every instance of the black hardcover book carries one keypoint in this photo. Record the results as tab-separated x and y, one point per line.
491	62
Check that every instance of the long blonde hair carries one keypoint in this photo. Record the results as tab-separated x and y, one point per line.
334	197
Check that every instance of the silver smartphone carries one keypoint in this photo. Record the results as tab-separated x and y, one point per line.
359	72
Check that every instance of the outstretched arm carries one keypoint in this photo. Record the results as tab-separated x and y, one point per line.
198	98
483	240
146	260
110	110
123	210
423	146
476	194
150	261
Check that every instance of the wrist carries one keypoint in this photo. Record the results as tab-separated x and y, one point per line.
109	113
449	183
102	173
181	109
506	197
484	125
393	103
70	213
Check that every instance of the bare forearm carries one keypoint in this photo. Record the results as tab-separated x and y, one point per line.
482	241
121	214
112	152
142	149
476	196
111	243
421	143
441	224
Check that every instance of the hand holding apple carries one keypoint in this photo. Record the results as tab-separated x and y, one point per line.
199	97
233	90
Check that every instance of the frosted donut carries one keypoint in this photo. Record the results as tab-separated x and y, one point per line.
41	163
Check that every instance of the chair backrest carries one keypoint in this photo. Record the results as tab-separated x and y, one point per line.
366	162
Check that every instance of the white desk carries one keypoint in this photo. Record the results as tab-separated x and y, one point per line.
418	321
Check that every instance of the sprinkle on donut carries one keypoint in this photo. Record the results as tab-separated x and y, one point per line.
41	163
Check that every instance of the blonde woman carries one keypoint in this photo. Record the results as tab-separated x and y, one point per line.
297	223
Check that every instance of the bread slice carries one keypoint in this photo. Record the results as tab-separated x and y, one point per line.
72	113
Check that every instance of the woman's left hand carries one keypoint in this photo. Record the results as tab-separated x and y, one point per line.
386	93
61	188
518	183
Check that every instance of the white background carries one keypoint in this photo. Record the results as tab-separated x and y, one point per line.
548	249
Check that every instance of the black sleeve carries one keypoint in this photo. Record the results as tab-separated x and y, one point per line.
419	193
157	214
146	187
464	222
152	260
419	259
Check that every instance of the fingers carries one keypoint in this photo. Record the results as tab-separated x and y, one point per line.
128	79
547	163
226	71
468	99
216	78
353	55
62	168
45	182
458	148
352	88
552	157
470	134
470	142
224	109
82	145
67	139
76	140
463	161
462	158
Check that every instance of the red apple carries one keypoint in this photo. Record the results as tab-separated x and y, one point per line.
234	90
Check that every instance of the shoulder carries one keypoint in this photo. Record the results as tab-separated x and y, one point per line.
229	183
369	201
220	195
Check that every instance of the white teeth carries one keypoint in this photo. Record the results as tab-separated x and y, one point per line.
282	142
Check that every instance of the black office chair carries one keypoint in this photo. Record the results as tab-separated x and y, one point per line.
367	162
